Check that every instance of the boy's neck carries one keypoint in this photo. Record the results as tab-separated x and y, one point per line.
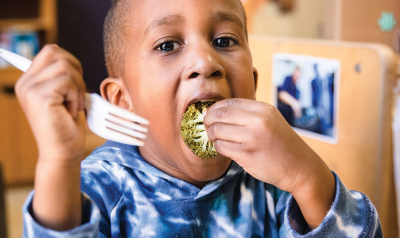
171	171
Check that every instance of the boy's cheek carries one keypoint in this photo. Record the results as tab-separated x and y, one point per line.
164	123
242	81
244	88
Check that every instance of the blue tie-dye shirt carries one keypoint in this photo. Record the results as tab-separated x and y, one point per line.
124	196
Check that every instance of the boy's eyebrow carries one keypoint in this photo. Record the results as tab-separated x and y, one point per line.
165	21
226	16
175	19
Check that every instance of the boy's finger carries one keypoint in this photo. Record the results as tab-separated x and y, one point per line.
61	67
239	103
228	115
50	54
56	92
227	132
56	70
230	149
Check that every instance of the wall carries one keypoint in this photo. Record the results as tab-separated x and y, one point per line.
360	21
304	22
357	20
80	32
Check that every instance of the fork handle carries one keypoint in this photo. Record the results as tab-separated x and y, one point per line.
18	61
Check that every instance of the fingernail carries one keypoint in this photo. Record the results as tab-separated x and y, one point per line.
204	112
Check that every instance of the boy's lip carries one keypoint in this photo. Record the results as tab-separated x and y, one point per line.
204	97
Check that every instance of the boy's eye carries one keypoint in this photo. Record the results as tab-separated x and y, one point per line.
223	42
168	46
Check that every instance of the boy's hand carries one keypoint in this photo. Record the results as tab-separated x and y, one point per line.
257	137
51	93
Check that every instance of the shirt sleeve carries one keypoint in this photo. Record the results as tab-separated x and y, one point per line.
352	215
101	188
89	228
286	84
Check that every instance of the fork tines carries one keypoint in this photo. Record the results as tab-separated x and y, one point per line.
114	123
129	128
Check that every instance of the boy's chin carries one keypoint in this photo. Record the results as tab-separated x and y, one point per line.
204	170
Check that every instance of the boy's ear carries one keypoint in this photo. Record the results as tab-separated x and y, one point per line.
255	75
114	91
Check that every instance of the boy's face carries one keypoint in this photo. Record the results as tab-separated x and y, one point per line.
179	52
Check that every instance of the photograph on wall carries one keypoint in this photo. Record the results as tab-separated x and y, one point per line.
306	94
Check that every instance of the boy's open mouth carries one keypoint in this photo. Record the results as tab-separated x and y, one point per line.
193	131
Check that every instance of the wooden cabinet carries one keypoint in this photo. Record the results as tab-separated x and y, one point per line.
41	17
18	150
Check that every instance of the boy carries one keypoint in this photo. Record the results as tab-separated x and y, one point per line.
163	56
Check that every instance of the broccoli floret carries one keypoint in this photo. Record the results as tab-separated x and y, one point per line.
194	133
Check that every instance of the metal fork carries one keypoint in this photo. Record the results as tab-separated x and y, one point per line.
103	118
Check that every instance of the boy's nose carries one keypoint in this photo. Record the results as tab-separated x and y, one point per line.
204	63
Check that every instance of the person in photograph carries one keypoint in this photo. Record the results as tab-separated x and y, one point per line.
288	97
322	100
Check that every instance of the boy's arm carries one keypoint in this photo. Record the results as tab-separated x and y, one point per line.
351	215
288	99
257	137
315	193
57	200
51	94
97	177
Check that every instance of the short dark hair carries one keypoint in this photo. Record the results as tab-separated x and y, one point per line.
115	32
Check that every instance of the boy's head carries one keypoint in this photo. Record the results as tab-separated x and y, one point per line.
163	56
296	74
116	28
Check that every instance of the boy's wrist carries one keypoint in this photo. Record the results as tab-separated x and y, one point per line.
57	200
60	161
315	194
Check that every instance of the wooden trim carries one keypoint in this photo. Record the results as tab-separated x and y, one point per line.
48	17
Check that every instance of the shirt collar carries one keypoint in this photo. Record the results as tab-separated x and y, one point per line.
129	156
